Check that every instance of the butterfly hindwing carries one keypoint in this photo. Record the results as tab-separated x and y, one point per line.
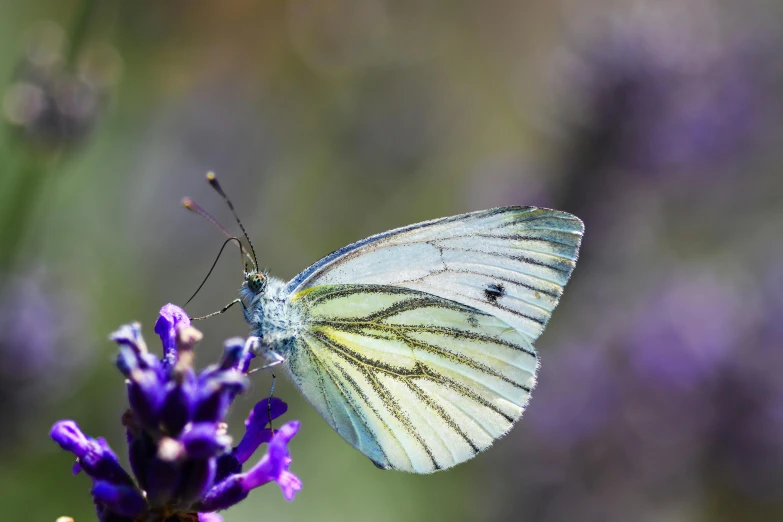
414	381
510	262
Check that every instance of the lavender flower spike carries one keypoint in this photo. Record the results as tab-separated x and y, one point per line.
182	458
94	456
171	319
256	432
272	467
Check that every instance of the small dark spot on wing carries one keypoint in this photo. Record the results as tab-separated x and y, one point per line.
493	292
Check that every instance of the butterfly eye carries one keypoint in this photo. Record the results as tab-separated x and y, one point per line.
256	283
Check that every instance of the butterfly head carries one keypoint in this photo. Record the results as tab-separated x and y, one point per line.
256	282
253	288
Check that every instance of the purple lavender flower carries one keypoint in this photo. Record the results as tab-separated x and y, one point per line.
659	98
182	459
28	352
52	104
664	97
568	417
688	330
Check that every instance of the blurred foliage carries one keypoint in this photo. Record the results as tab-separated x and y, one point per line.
658	123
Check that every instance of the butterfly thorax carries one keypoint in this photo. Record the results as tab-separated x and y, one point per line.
265	311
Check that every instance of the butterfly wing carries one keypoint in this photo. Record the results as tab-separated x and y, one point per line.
510	262
414	381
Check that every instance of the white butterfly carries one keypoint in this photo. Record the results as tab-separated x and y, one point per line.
416	345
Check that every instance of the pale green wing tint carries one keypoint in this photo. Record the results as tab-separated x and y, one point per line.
510	262
414	381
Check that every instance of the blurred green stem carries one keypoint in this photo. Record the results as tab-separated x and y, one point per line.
78	31
29	168
18	204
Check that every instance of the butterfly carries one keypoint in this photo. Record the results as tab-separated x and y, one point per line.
416	344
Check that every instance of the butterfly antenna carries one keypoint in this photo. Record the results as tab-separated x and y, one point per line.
226	242
212	179
195	208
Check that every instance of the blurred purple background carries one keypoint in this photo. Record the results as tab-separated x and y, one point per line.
660	396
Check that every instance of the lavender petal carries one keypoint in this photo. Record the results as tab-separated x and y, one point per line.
124	500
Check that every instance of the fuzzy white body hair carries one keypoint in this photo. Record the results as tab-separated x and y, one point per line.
269	317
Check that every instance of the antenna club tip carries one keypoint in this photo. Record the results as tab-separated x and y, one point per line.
211	176
187	203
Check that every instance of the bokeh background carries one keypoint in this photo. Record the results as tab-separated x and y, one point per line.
657	122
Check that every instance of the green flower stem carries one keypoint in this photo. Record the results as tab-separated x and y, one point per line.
19	201
78	31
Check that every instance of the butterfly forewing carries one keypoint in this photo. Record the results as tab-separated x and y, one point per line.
416	345
414	381
509	262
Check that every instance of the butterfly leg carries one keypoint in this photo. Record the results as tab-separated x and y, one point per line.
269	402
223	310
276	359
